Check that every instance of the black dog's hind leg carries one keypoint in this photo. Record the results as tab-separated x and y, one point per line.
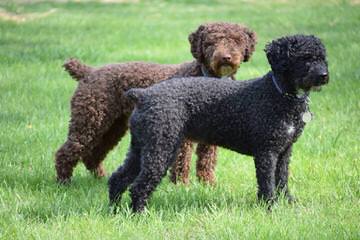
125	174
282	174
155	163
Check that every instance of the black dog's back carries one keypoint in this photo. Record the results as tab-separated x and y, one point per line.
200	104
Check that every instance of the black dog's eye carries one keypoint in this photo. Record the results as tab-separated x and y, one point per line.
308	57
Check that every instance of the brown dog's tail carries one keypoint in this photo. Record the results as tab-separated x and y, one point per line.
76	69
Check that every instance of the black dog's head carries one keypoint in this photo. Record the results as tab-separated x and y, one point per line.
222	47
300	60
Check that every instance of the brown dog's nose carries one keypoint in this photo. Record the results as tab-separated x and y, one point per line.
226	58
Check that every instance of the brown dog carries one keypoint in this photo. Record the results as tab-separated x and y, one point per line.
100	111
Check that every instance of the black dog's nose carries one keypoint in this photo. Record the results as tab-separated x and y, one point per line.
324	77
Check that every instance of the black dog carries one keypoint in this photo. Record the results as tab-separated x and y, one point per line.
261	117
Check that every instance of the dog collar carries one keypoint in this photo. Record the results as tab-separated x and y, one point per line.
307	115
302	97
206	73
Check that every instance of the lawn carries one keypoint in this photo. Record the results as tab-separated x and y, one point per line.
36	38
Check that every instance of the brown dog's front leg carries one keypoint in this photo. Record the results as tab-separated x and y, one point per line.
181	167
205	165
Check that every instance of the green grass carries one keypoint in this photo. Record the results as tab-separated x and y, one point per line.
34	115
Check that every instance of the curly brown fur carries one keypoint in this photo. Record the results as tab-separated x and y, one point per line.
205	169
181	167
99	110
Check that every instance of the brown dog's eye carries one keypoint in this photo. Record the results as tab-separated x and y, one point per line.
238	42
207	44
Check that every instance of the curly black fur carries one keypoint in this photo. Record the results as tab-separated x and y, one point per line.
262	117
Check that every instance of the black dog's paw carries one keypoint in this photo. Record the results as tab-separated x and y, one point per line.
291	199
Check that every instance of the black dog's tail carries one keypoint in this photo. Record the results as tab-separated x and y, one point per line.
135	94
76	69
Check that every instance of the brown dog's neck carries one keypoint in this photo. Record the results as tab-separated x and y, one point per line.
207	72
196	69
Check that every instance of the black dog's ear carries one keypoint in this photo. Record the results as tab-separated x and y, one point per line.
277	53
250	45
195	40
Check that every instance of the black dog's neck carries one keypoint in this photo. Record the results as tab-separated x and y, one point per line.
287	90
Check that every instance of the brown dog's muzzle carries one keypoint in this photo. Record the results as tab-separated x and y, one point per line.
224	64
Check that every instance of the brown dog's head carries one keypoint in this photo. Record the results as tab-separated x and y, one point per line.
221	47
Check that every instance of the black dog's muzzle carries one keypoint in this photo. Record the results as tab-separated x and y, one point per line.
321	75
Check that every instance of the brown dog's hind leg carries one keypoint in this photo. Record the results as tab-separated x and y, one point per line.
89	122
93	161
66	159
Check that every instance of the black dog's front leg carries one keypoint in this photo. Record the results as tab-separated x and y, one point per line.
265	164
282	174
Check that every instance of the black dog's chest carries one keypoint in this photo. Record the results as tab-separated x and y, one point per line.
280	128
285	128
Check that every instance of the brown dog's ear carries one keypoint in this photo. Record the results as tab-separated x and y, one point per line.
251	42
195	40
